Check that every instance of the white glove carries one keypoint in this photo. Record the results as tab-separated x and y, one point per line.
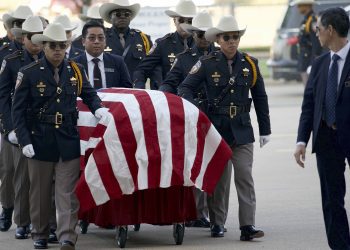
264	139
101	113
12	137
28	150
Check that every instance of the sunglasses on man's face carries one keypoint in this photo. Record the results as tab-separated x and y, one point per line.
60	45
200	34
184	20
227	38
121	13
17	23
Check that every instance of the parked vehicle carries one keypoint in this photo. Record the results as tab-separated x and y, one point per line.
284	50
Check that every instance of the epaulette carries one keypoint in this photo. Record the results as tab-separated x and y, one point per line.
31	65
210	55
136	30
4	46
165	37
14	55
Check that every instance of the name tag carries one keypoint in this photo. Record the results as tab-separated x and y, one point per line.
111	70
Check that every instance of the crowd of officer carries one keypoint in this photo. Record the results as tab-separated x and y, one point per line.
43	71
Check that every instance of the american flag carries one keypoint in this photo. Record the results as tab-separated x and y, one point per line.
150	140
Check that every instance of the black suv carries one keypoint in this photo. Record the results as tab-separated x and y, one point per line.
283	54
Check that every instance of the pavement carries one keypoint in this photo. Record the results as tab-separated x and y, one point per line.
288	197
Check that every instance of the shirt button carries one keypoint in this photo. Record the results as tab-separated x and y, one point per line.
58	100
56	126
232	91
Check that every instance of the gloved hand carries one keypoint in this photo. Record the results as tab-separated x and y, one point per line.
28	150
101	113
12	137
264	139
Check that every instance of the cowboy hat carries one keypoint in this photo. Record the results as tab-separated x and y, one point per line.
185	8
201	22
4	18
21	13
226	24
54	32
92	13
66	23
107	8
32	24
296	2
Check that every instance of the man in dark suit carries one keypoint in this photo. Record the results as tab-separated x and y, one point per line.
104	70
326	113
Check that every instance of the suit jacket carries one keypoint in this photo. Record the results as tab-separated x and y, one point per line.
313	102
116	71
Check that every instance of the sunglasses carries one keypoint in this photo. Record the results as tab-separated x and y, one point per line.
17	23
98	38
227	38
184	20
54	45
120	13
200	34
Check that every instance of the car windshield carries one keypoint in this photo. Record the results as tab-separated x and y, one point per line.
293	18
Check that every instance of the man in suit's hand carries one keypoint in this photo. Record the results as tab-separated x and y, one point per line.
299	154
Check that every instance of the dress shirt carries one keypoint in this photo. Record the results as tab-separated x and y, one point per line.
343	54
91	66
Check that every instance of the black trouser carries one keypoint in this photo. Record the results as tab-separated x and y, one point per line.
331	167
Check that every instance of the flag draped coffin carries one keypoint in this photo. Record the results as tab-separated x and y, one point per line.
150	141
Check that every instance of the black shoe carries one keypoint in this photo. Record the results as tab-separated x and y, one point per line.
249	233
67	245
202	222
40	244
217	231
83	226
22	233
6	219
52	237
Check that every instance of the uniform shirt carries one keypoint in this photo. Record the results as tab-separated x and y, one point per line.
9	48
91	66
4	40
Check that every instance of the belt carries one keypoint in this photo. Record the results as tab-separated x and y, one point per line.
57	119
231	111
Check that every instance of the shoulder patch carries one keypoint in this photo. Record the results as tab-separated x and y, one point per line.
196	67
19	79
153	48
3	66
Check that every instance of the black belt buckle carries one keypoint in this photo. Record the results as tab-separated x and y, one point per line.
58	118
233	111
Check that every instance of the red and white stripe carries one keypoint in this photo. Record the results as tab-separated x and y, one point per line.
150	140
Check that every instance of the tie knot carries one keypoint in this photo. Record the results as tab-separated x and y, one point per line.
96	60
121	35
335	57
56	70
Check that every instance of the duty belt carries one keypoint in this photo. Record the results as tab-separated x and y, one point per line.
231	110
57	119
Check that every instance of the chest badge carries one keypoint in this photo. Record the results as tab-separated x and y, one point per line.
245	72
41	87
216	77
139	47
73	80
171	57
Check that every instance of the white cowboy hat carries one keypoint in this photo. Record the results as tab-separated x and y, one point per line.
21	13
201	22
296	2
107	8
226	24
4	18
92	13
32	24
66	23
54	32
185	8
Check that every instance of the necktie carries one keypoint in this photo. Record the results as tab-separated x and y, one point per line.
229	64
97	74
56	75
122	39
205	52
35	57
185	44
331	91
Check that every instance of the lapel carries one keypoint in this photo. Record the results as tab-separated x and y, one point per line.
84	62
239	63
323	76
222	65
344	74
44	67
107	65
65	75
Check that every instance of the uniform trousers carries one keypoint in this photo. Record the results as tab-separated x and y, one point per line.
7	192
242	161
201	203
66	175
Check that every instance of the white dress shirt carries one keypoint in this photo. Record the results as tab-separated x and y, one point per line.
342	54
91	66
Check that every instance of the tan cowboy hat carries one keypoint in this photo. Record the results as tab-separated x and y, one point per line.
92	13
66	23
32	24
54	32
185	8
226	24
201	22
107	8
21	13
297	2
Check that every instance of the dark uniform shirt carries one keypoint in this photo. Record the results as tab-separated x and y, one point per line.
4	40
8	75
228	95
162	53
9	48
45	113
309	45
136	48
78	43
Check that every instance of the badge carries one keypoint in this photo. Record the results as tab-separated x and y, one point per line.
3	65
109	70
171	57
19	79
153	48
216	77
41	87
139	47
108	49
172	66
196	67
73	81
245	72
